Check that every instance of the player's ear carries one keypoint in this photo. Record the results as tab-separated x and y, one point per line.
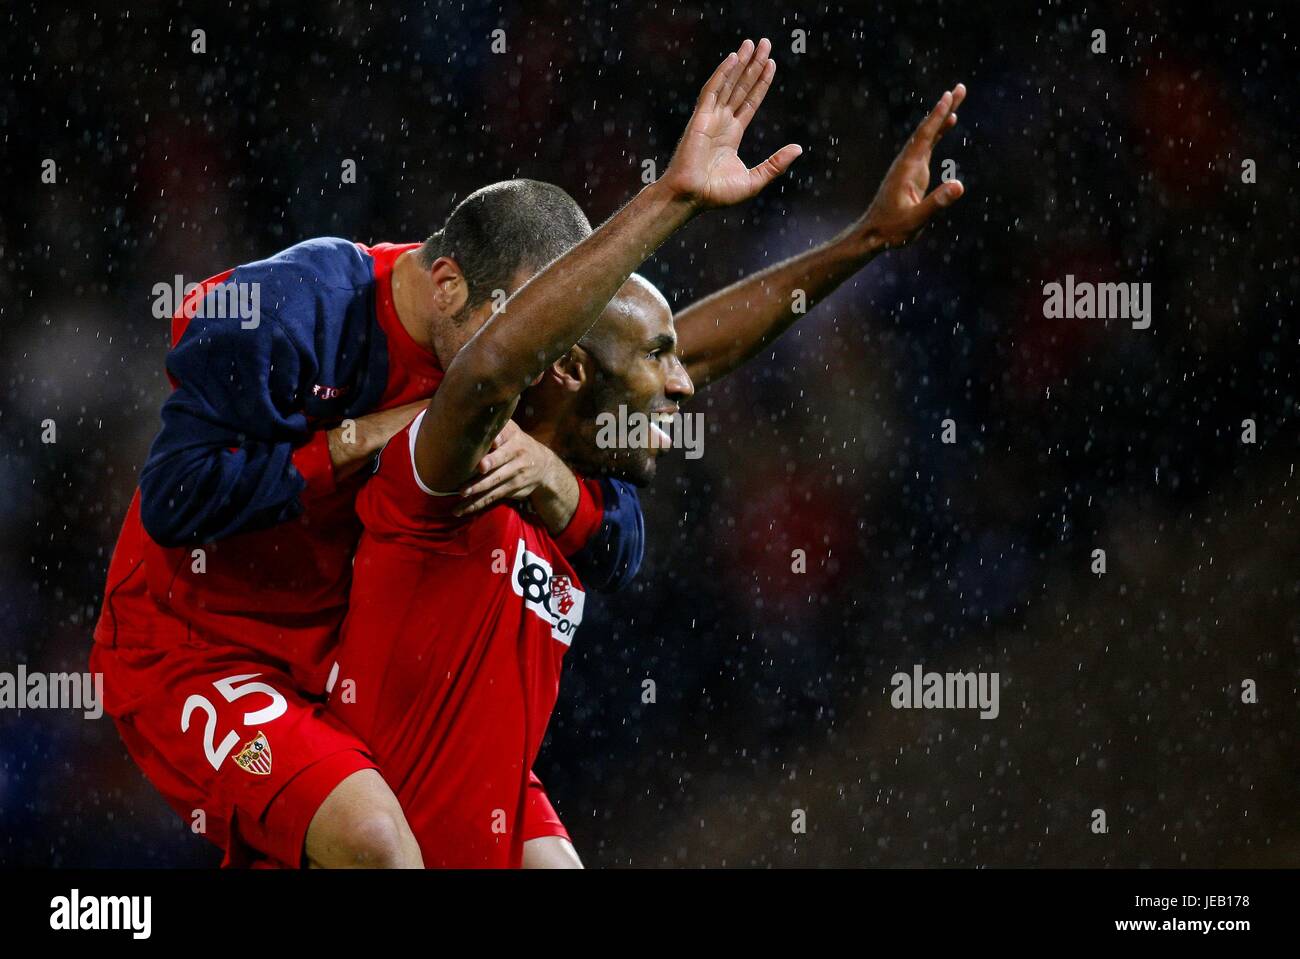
572	370
450	290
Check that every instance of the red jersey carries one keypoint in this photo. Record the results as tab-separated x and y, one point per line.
242	467
450	659
282	590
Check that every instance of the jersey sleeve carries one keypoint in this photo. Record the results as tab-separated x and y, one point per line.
395	505
540	817
586	519
604	540
612	545
234	451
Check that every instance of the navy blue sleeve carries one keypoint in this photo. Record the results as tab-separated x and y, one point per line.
223	461
612	557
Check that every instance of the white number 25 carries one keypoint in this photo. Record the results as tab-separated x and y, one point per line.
230	691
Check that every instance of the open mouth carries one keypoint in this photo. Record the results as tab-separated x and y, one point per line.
660	425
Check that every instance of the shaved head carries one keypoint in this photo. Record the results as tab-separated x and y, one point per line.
626	366
630	365
638	306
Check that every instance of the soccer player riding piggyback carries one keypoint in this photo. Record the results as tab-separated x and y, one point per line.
219	635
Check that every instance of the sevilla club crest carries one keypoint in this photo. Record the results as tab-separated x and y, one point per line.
255	757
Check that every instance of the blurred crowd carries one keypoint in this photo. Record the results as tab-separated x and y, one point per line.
1120	691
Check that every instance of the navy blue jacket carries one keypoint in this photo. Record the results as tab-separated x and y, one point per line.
252	388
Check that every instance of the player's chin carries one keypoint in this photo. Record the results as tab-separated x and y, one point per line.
637	469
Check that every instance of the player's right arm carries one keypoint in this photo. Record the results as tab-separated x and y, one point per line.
550	313
235	451
350	448
224	459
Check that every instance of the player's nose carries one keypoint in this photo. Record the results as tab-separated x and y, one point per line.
679	386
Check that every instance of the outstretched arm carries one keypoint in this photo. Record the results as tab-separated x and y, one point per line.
554	309
722	331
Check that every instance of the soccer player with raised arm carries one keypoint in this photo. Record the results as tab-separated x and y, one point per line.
458	621
230	576
249	493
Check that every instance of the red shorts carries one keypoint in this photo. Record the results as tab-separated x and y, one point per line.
232	744
228	731
236	748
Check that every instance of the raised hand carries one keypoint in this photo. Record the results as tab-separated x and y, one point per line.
901	207
706	169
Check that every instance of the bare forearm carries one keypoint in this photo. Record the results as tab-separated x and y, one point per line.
555	309
350	447
722	331
353	442
534	328
556	501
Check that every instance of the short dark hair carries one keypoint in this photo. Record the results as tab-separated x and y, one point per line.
504	227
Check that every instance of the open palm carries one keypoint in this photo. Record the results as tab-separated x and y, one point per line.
706	167
901	207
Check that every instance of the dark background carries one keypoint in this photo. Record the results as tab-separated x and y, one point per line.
1119	692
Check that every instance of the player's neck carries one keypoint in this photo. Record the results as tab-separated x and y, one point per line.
412	298
541	414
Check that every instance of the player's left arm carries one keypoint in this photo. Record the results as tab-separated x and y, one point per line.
597	523
722	331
